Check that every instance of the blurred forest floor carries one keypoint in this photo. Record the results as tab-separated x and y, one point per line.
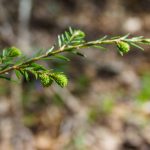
106	104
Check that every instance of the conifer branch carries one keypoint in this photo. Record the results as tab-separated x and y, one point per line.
71	41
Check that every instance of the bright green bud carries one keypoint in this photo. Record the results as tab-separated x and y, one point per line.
60	79
79	33
123	47
13	52
45	79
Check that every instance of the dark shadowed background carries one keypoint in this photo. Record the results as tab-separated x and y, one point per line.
106	103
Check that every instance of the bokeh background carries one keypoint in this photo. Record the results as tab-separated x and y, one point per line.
106	104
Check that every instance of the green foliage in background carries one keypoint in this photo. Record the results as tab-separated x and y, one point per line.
103	109
144	94
70	41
